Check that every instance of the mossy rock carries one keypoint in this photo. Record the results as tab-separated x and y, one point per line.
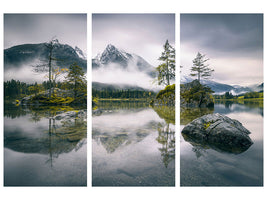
166	96
218	132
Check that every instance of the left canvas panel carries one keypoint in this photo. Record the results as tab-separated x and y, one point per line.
45	97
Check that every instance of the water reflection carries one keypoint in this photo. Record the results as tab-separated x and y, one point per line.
108	105
226	107
166	133
166	137
189	114
55	130
199	146
144	134
208	165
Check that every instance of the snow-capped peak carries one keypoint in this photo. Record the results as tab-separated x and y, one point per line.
80	53
112	54
55	41
110	47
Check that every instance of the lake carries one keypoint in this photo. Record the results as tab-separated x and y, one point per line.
206	166
133	145
45	146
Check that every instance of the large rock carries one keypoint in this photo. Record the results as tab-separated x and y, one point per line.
218	131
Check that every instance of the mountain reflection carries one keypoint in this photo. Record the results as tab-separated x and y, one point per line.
227	107
116	127
113	138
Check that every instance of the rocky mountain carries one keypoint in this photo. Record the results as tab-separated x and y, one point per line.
257	88
80	53
220	88
29	54
121	59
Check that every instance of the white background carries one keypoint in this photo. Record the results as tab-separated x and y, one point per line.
124	6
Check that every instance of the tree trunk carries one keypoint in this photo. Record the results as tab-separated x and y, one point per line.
168	76
50	70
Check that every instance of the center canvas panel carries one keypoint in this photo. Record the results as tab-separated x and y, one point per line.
133	100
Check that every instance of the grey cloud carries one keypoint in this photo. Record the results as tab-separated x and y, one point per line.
232	34
156	25
143	34
233	42
37	28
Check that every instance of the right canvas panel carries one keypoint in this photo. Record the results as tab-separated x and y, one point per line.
221	97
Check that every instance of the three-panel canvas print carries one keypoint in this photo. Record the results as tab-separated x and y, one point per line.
133	100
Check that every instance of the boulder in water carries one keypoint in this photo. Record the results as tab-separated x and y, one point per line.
218	131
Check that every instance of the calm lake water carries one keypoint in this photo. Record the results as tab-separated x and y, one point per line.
41	149
204	166
133	145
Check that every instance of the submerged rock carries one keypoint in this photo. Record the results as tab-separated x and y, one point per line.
97	112
218	131
71	115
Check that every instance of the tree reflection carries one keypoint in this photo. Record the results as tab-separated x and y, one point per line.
187	115
50	132
166	135
12	111
66	131
121	105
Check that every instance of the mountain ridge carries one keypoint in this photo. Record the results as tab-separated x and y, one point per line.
25	54
221	88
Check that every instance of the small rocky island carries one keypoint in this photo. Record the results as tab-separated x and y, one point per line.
196	95
165	97
219	132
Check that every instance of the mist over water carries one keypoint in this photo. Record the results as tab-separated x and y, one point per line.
26	73
112	74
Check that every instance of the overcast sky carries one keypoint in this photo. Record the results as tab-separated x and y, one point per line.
142	34
38	28
232	42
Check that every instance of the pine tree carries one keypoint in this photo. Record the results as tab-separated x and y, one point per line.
76	79
200	68
166	70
